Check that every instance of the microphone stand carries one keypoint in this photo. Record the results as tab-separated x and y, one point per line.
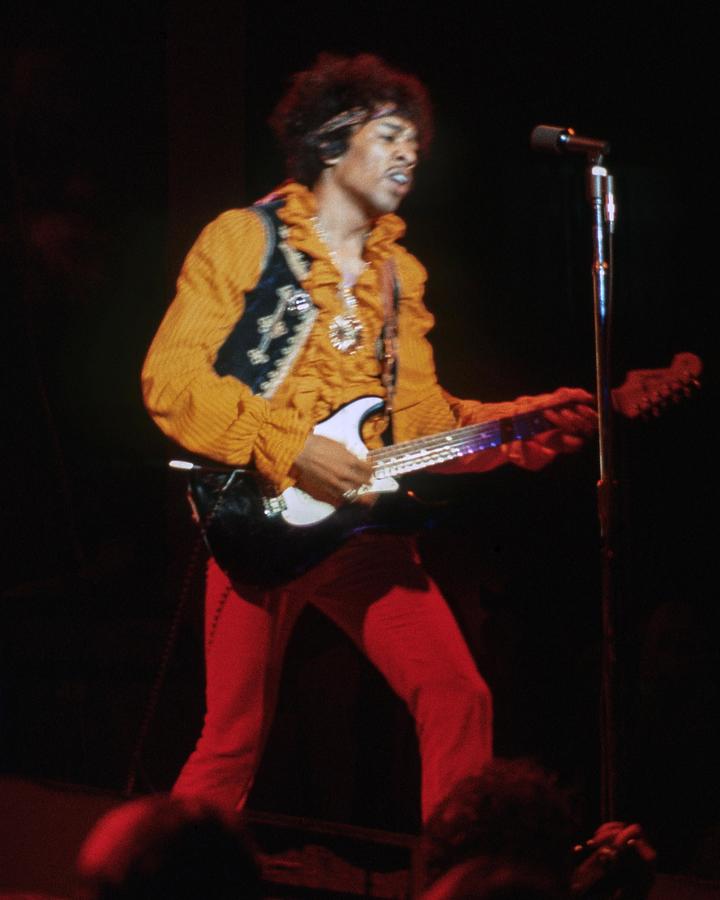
554	139
601	198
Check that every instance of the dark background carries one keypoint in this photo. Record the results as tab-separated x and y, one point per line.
124	130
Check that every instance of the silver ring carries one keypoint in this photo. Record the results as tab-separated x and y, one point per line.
351	495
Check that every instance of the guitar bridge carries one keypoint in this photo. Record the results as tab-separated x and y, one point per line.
273	506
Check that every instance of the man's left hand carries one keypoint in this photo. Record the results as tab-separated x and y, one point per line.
570	410
574	422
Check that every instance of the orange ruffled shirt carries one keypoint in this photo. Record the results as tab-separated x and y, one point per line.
219	417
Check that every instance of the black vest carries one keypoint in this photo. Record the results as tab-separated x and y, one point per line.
278	317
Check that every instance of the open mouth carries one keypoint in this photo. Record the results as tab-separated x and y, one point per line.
400	179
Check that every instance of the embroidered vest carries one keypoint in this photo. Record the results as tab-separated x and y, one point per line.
278	317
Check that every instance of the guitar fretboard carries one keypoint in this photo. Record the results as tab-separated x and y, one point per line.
421	453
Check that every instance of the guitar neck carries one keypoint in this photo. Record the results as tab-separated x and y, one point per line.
421	453
644	391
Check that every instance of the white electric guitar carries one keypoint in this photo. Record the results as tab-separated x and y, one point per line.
261	537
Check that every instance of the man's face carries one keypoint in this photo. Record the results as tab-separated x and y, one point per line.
377	168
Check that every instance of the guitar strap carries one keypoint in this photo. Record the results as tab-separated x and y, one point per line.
390	291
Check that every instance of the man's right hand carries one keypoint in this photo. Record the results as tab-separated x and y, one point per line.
326	470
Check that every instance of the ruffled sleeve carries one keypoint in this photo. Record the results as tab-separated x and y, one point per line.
212	415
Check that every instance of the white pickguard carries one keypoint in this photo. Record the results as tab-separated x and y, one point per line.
343	427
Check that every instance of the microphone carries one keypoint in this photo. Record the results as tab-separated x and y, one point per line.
554	139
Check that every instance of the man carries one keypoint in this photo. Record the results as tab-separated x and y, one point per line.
277	323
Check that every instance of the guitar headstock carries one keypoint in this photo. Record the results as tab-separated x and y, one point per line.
647	391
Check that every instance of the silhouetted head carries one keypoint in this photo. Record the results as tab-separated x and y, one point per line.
169	848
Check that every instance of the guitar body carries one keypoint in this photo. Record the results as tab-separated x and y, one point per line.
258	547
261	539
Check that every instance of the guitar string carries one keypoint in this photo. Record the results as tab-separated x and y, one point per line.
466	437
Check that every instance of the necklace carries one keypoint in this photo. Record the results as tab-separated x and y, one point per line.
345	330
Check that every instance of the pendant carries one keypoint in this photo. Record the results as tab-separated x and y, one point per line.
346	333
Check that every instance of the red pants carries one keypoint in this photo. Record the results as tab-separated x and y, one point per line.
376	591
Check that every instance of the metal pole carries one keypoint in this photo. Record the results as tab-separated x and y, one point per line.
601	197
